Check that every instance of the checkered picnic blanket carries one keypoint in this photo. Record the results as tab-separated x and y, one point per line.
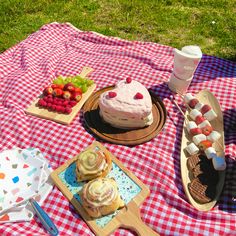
61	49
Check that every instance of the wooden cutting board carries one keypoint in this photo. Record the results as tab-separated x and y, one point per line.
205	97
131	189
66	119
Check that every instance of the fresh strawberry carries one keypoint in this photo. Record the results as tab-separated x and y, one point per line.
78	90
204	145
199	119
60	86
112	94
138	96
195	131
76	96
207	130
193	103
47	91
205	109
128	80
69	87
57	92
66	95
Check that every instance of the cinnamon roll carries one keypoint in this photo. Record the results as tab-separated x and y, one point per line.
92	164
101	197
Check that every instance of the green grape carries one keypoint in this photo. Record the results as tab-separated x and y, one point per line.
77	81
77	84
90	82
84	88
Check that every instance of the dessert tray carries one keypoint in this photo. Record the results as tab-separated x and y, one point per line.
66	119
131	189
120	136
205	97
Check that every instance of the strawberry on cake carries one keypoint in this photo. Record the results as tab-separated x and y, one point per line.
127	106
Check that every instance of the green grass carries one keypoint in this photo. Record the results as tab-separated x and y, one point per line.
207	23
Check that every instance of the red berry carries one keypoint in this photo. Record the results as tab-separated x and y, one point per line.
207	130
112	94
138	96
72	103
47	91
63	109
66	95
65	102
68	110
57	92
54	107
57	101
199	119
69	87
58	108
48	99
60	86
195	131
205	144
60	103
128	80
49	105
193	103
78	90
76	96
42	103
205	109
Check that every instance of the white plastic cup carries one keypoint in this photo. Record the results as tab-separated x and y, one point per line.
185	63
178	85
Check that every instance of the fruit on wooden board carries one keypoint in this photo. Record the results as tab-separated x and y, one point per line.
64	93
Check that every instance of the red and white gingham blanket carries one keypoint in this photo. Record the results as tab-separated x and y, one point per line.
60	49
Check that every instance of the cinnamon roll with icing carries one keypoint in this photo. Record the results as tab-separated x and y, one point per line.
101	197
92	164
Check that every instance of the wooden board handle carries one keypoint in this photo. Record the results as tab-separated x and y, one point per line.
131	219
85	71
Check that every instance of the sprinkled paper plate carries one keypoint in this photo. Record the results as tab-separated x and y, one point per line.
20	178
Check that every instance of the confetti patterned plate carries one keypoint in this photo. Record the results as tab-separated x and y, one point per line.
20	178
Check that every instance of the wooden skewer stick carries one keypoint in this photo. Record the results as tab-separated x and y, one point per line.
182	96
176	104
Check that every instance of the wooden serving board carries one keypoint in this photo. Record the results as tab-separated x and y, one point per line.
66	119
120	136
205	97
128	217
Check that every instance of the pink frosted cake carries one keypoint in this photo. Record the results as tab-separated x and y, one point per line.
127	106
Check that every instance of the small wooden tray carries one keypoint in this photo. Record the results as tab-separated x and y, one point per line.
129	217
121	136
66	119
205	97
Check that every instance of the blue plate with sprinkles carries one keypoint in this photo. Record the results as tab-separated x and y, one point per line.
131	189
